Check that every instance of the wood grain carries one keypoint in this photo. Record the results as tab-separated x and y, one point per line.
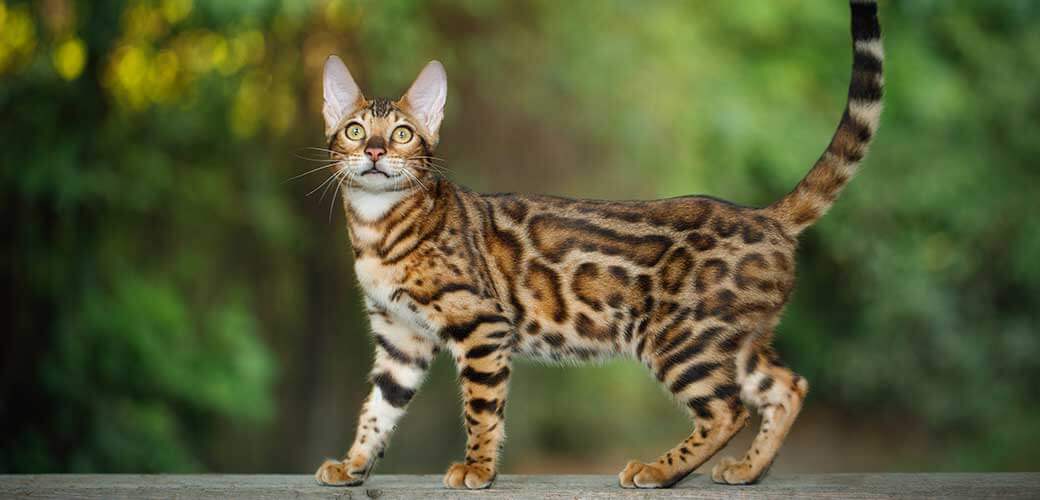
111	486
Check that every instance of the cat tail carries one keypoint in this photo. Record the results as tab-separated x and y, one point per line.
815	194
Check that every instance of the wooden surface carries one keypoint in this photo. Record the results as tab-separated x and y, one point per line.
1010	485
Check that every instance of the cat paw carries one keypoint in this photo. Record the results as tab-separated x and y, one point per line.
473	477
333	473
640	475
731	471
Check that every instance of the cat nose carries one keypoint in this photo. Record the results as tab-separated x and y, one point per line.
374	152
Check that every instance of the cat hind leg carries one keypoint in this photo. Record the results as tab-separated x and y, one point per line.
777	393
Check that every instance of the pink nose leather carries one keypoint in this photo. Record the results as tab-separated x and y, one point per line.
375	153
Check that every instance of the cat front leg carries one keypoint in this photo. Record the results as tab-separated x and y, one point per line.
402	359
482	354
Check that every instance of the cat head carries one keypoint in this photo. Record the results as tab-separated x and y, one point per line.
383	144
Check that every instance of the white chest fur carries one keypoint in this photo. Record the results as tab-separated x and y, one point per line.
370	206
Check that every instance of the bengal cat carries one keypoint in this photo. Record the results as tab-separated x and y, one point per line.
692	287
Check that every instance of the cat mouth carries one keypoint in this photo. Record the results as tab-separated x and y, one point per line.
375	171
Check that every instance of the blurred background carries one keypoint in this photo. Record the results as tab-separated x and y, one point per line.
173	302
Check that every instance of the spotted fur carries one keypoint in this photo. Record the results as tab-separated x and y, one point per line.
692	287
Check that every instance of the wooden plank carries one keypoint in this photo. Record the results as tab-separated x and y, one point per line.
1003	485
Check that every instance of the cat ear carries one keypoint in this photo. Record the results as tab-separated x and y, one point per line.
425	98
342	95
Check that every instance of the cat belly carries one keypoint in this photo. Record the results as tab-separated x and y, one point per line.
537	349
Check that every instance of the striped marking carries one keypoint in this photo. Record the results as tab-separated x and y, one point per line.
393	393
489	379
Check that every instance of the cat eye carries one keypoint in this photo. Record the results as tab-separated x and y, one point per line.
402	135
355	132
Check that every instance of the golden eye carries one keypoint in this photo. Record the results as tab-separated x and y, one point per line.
355	132
402	135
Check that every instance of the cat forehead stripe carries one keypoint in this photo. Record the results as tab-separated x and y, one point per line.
381	107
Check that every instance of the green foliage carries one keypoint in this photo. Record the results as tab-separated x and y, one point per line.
162	272
134	329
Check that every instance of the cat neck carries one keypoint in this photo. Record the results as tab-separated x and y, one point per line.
369	207
372	215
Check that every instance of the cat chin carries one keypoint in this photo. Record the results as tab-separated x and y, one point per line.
379	183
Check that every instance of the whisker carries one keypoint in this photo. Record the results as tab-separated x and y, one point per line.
307	154
323	183
329	186
319	185
434	171
349	183
430	163
411	183
432	168
427	165
335	194
412	177
311	171
324	192
307	158
312	148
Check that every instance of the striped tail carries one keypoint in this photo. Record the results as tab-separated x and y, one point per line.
816	193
